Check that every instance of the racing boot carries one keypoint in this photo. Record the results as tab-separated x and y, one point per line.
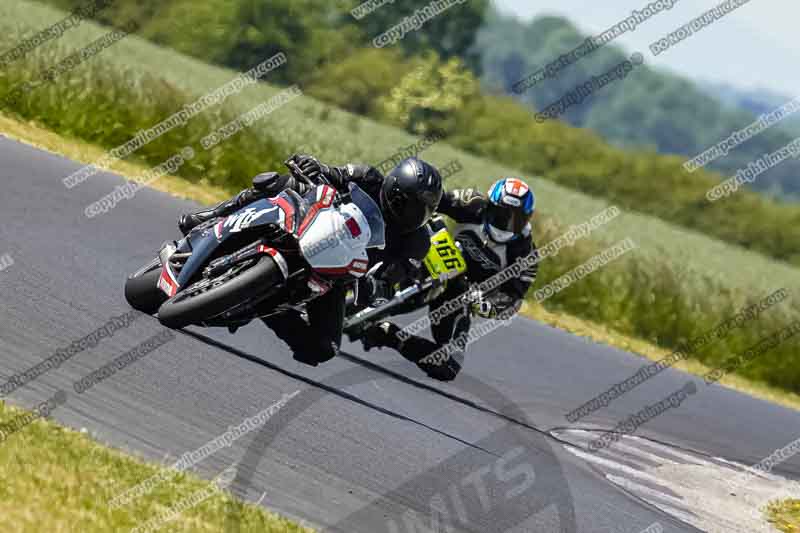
189	221
381	335
264	185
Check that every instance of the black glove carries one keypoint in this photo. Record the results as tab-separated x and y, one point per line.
311	167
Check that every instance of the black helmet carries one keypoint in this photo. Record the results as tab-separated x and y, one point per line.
410	194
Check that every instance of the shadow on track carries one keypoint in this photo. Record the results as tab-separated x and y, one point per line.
475	489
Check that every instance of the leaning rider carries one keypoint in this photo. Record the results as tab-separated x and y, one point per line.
494	232
407	197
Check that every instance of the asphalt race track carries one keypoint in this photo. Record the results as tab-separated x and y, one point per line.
369	444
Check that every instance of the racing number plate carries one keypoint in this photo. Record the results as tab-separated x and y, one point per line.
444	257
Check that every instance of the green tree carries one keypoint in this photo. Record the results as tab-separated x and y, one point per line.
450	34
429	97
344	83
312	33
648	109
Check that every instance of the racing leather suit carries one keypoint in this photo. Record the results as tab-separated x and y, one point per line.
484	258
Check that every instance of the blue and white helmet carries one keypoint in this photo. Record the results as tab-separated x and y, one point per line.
511	205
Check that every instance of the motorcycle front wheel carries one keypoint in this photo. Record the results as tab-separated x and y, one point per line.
211	297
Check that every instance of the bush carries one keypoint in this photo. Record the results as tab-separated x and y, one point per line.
107	106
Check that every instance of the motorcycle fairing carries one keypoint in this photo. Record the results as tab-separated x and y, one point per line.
278	211
167	282
334	241
324	196
293	214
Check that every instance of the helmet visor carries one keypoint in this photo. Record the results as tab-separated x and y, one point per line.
507	218
407	211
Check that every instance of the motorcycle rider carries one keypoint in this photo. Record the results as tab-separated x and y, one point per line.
407	197
494	232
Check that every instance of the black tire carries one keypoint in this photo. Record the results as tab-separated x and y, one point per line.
183	310
142	292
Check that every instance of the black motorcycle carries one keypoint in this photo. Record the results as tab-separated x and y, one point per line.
273	255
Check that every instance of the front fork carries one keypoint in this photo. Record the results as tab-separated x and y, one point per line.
222	264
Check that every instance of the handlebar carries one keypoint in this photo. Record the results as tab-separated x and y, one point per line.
295	170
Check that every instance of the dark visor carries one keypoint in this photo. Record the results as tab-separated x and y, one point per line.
506	219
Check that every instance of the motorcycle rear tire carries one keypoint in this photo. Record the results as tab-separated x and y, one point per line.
142	292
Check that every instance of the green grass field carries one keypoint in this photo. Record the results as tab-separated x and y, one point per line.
60	480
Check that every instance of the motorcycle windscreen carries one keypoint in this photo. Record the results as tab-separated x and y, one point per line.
373	215
337	239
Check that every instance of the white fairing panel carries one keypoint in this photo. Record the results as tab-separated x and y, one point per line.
336	241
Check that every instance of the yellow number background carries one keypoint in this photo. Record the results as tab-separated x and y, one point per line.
444	257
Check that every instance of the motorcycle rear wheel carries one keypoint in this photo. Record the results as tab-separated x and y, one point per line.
142	292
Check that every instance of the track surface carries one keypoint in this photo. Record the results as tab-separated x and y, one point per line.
369	444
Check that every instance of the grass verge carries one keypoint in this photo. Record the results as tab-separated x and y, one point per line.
785	515
29	132
59	480
604	335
